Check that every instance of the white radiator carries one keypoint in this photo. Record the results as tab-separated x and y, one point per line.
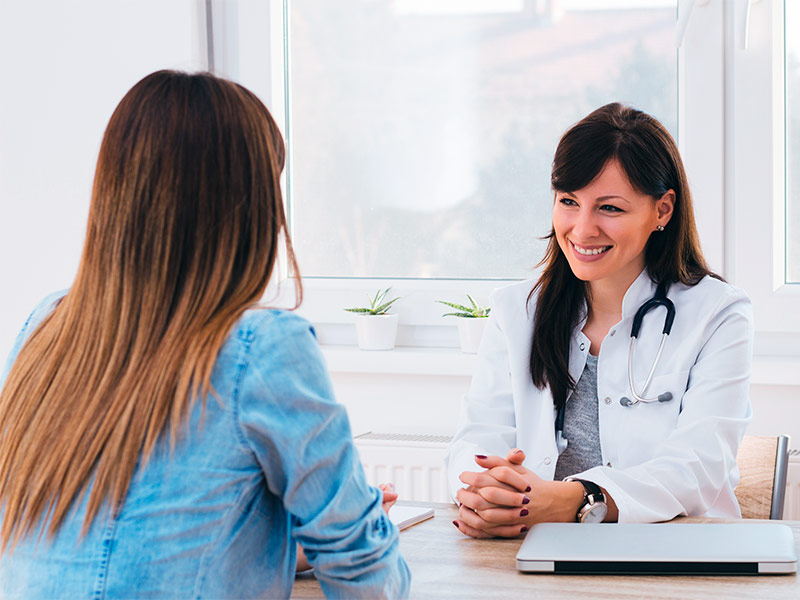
414	463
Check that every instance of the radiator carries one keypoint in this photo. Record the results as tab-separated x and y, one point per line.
414	463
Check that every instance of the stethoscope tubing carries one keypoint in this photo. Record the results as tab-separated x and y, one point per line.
660	299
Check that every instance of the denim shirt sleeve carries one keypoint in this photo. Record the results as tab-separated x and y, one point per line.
301	437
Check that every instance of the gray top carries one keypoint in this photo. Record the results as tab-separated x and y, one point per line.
581	427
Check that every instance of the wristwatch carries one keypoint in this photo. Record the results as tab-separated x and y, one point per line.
594	508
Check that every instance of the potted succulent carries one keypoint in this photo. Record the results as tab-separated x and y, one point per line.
375	328
471	323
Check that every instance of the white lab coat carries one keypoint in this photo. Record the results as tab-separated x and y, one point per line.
660	460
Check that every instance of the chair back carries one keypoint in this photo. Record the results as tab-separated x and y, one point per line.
763	462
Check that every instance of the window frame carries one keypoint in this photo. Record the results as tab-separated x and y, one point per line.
758	170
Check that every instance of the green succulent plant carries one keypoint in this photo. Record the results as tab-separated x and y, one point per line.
377	304
476	312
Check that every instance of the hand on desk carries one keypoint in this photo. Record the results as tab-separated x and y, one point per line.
389	499
506	498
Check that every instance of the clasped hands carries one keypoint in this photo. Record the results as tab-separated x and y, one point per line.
505	499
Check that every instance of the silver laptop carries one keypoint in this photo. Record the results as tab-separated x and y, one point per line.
659	549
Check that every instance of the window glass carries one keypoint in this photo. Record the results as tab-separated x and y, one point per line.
422	132
792	38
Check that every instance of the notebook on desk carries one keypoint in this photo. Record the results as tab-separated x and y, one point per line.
405	516
661	548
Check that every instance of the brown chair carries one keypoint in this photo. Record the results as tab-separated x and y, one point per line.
763	462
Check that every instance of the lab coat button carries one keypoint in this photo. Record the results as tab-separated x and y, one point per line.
608	464
607	400
547	460
583	345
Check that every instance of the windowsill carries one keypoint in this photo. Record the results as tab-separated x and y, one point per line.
408	360
403	360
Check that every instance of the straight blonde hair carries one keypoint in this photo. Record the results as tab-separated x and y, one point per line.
182	237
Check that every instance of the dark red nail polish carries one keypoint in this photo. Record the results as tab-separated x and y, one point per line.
455	523
525	500
480	456
523	530
523	512
528	489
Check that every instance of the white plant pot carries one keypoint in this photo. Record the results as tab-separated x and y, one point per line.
376	332
470	332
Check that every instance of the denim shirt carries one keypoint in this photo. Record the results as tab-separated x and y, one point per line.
271	464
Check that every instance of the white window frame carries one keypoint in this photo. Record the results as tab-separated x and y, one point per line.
730	157
756	199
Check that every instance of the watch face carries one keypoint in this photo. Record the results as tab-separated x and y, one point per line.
595	514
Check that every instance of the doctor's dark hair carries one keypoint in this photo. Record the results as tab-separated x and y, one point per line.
185	225
650	159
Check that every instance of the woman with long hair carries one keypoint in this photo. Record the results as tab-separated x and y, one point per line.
582	409
161	435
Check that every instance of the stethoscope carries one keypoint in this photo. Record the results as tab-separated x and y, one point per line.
659	299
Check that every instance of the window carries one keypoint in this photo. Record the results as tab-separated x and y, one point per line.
762	207
421	134
421	141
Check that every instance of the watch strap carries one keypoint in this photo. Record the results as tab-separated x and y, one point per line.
590	488
592	497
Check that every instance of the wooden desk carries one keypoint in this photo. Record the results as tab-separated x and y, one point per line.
445	563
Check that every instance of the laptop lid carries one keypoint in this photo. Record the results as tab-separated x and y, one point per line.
658	548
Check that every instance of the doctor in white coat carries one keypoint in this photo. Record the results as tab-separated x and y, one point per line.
557	425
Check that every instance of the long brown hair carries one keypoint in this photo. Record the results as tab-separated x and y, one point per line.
183	235
650	159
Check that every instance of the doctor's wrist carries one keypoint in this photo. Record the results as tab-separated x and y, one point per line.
571	501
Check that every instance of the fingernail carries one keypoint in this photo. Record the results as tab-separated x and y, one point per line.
523	530
455	523
528	489
523	512
479	456
517	451
525	500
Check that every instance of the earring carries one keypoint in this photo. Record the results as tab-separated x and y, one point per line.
659	228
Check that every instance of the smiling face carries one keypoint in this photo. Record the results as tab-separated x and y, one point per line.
603	228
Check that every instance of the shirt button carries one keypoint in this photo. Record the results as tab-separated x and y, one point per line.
547	460
583	345
607	400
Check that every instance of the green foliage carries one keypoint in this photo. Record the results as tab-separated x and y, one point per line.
475	312
377	304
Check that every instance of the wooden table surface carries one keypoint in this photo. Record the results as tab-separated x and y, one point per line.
445	563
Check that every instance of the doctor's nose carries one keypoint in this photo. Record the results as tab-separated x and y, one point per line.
585	225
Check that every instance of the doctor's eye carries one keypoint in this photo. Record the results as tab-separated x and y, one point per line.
567	201
610	208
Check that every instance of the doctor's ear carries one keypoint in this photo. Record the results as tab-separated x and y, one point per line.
664	208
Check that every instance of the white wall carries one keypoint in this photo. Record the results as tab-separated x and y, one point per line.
65	66
389	403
